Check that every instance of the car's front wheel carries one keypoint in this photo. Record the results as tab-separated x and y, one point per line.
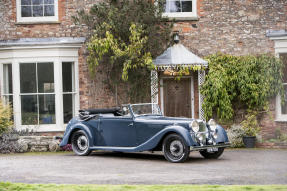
175	149
212	155
80	143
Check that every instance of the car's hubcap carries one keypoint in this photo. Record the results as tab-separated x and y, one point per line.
176	148
82	142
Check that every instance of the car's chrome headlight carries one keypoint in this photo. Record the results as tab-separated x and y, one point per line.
212	124
194	126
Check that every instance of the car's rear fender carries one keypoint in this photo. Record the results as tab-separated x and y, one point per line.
71	128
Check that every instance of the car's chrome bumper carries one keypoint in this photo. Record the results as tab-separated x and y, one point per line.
196	148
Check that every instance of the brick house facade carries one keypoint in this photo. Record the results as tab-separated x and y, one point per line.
234	27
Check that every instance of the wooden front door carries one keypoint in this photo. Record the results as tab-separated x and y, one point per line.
177	97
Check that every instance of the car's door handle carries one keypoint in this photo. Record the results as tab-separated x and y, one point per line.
131	124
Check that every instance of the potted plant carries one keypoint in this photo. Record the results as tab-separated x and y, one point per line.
251	128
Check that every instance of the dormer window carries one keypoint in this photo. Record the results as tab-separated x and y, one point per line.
181	9
31	11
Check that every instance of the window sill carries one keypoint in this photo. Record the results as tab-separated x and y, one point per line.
183	18
38	22
281	120
43	128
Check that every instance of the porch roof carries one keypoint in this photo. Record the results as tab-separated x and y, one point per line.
178	55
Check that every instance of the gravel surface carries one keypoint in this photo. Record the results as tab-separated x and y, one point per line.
239	166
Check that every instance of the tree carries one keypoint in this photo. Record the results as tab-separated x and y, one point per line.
125	37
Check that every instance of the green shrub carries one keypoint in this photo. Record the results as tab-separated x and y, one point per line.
250	124
5	117
240	81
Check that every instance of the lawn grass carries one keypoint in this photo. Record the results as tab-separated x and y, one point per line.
4	186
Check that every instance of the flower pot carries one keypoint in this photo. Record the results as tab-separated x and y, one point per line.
249	141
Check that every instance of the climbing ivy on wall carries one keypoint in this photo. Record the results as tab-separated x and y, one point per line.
248	81
125	37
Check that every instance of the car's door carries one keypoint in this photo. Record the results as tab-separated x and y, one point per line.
117	131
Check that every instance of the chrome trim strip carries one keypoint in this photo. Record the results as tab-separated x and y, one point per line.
196	148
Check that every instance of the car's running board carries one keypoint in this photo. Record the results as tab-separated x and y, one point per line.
135	149
122	149
196	148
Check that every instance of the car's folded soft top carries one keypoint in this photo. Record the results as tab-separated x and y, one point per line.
114	111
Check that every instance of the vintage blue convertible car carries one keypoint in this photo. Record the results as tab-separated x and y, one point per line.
142	127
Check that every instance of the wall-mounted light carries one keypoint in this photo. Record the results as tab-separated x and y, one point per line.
176	37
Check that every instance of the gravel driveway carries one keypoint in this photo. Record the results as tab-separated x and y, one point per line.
242	166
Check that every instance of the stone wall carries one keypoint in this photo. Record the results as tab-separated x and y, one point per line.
233	27
38	143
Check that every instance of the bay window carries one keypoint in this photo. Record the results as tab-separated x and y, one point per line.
41	84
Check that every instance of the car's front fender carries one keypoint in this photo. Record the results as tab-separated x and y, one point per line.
153	141
221	135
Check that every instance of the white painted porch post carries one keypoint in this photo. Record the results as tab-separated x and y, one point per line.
201	78
154	86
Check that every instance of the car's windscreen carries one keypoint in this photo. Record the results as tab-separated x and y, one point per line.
146	109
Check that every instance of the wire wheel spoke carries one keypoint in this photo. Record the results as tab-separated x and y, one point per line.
176	148
82	142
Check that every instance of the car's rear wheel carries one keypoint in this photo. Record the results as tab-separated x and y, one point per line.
80	143
175	148
212	155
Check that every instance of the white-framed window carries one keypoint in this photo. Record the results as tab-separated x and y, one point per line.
181	9
280	46
37	93
43	86
31	11
281	114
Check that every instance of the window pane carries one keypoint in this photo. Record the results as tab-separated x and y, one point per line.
68	103
37	11
25	2
173	6
283	57
49	10
37	2
48	2
26	11
28	78
7	76
29	110
45	77
186	6
67	74
9	100
284	107
47	109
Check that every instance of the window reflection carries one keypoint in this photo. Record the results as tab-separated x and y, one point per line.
37	8
68	90
37	93
173	6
